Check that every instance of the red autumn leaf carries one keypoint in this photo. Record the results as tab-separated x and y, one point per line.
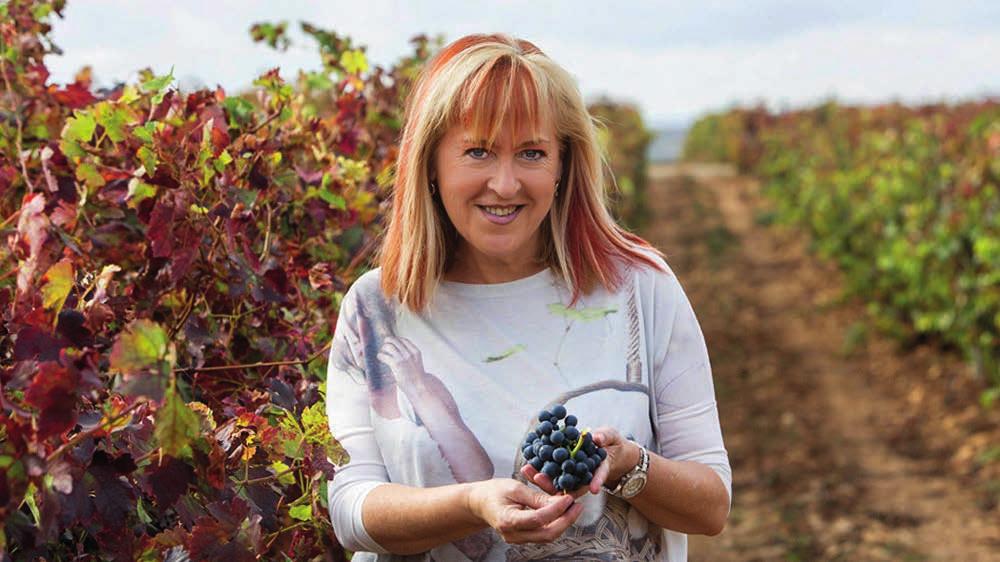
53	392
168	479
74	96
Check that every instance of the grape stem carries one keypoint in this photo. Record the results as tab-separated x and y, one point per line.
579	443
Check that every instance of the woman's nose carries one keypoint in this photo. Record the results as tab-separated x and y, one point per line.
504	179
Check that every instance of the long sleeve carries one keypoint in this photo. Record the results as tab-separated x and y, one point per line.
348	407
687	415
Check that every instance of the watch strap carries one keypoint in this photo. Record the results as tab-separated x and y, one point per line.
641	466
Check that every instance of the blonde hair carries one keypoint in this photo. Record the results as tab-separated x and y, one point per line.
486	82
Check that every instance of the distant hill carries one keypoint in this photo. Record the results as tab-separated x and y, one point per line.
667	145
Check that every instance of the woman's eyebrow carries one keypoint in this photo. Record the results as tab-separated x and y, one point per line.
525	143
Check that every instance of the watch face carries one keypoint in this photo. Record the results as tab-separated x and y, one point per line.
634	485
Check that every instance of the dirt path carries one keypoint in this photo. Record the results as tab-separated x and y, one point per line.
842	446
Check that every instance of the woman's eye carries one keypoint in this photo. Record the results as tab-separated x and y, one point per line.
534	154
477	153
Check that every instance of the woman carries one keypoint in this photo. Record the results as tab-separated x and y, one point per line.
504	288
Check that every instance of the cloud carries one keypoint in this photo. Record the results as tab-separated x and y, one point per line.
676	59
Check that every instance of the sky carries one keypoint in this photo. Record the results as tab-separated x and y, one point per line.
675	59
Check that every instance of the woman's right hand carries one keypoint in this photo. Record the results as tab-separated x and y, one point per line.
520	514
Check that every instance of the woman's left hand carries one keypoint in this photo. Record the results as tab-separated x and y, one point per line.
622	457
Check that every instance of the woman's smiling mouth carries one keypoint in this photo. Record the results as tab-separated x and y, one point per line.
498	214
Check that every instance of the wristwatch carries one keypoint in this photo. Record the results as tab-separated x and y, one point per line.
634	480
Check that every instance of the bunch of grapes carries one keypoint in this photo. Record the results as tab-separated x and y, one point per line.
567	456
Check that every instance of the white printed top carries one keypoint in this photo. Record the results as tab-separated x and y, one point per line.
498	354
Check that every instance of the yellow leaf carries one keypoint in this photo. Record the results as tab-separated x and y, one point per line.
58	283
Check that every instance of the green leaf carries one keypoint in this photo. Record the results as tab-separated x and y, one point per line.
88	174
239	110
41	11
158	84
113	118
301	512
318	81
80	127
58	283
317	432
279	468
176	426
129	95
148	159
137	191
505	354
142	346
145	132
72	149
332	199
29	498
354	61
142	513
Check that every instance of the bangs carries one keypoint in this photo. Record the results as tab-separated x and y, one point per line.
504	93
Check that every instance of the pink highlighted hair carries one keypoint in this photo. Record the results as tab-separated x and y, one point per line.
484	82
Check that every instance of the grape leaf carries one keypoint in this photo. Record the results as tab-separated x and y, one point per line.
354	61
168	480
301	512
158	85
58	283
142	347
80	127
176	426
113	118
88	174
148	159
53	391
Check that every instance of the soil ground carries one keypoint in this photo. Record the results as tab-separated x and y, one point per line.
843	445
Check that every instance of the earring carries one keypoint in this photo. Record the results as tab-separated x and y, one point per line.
557	189
434	187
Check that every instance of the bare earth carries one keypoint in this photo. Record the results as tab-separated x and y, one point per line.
844	446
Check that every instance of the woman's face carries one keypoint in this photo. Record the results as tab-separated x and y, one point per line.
498	197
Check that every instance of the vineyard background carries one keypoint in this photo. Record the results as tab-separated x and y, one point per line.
173	262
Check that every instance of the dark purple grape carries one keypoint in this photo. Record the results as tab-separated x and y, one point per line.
603	452
545	452
560	454
537	463
597	459
581	468
568	466
580	456
568	481
550	469
559	411
544	415
545	427
591	465
536	446
557	437
590	448
587	477
572	433
570	420
531	437
529	453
